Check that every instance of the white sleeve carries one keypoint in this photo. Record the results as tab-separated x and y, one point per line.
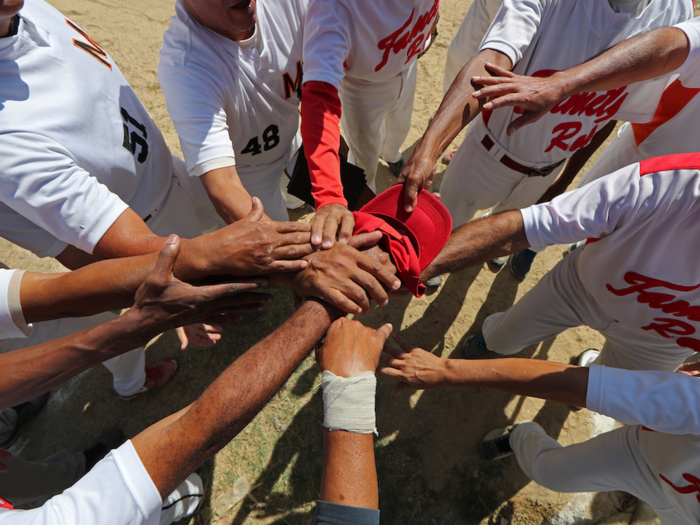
592	211
40	181
23	232
117	491
12	323
195	104
690	70
326	41
514	27
664	401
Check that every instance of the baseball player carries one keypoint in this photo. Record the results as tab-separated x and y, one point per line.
653	458
492	169
663	51
363	55
632	281
232	77
671	129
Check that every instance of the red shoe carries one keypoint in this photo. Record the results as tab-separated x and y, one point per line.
156	376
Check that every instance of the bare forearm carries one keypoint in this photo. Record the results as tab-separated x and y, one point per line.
528	377
640	58
349	471
478	242
32	371
226	192
233	400
458	108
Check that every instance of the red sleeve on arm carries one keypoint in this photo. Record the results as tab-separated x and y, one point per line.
320	133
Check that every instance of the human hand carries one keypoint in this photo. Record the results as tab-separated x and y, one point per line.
535	96
163	302
252	246
418	173
347	278
4	454
690	369
350	347
412	366
329	220
198	334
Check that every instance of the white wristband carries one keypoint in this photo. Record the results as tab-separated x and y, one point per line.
348	402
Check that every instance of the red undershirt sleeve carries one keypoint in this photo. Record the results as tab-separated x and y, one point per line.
320	132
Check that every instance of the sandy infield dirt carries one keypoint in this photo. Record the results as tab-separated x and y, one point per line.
429	470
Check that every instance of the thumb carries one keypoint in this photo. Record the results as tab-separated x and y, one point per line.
168	255
257	210
410	195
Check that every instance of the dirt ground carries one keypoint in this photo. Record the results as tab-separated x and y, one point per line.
429	471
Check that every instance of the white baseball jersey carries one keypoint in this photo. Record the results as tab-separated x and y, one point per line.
12	322
364	39
668	405
118	491
674	127
77	143
541	37
640	261
235	103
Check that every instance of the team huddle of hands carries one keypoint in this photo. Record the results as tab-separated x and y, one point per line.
251	254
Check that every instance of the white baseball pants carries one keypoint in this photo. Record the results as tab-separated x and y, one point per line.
476	180
467	40
560	301
610	461
376	118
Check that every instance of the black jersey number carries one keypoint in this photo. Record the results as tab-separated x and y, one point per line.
270	139
135	139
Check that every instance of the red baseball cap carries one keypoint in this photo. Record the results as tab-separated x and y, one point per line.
413	239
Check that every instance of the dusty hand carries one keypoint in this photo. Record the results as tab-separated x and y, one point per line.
252	246
418	173
347	278
163	302
350	347
534	96
198	334
330	220
412	366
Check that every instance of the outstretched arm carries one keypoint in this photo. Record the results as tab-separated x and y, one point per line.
643	57
478	242
226	192
162	303
457	109
173	448
416	368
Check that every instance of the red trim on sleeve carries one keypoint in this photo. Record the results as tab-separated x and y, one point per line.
680	161
673	100
4	504
320	133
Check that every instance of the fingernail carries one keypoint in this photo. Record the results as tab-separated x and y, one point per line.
488	105
396	285
385	303
316	239
409	208
303	264
172	239
476	93
270	299
261	307
327	244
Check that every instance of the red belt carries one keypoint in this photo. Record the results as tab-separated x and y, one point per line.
516	166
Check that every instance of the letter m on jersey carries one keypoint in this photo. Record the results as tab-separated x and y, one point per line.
91	47
293	86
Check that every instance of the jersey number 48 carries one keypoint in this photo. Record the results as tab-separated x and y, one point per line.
270	139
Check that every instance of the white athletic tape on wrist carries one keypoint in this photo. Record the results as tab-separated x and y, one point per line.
348	402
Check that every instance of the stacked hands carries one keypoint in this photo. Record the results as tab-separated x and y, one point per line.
351	347
347	275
